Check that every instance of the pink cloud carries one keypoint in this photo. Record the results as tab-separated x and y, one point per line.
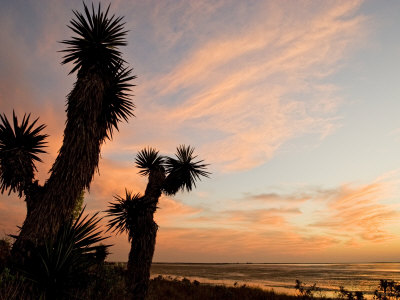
359	213
349	217
229	245
172	212
237	89
277	198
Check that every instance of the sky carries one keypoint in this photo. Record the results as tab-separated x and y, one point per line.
294	104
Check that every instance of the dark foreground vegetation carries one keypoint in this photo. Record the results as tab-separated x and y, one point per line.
63	271
108	282
184	289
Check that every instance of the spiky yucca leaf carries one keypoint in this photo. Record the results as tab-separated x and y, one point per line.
19	146
147	160
183	172
124	213
60	264
98	38
85	233
117	105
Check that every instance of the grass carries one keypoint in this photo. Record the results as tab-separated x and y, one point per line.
161	288
111	286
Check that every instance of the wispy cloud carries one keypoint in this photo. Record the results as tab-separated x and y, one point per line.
236	91
358	212
307	221
230	245
278	198
171	212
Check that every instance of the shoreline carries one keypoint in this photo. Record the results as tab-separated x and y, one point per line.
185	289
289	291
281	278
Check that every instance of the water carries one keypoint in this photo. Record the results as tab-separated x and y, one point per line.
281	277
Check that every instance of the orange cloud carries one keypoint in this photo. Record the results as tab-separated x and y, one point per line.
235	91
174	213
358	212
347	217
229	245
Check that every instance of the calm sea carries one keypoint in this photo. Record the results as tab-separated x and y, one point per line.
281	277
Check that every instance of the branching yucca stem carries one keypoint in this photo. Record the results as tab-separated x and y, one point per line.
144	238
135	213
99	100
74	167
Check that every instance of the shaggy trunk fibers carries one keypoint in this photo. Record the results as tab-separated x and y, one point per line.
74	167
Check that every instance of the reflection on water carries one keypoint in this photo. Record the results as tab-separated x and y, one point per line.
281	277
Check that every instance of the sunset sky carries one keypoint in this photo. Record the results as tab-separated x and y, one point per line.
294	104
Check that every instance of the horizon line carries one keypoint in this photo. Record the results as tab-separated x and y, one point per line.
268	263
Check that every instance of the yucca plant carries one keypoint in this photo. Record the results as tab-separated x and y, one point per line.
134	214
183	171
98	101
60	265
20	143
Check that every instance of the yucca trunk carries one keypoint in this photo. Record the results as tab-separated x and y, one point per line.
74	167
144	238
141	256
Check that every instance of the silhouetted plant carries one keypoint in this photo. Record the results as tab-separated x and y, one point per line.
359	295
134	214
397	290
377	295
390	288
5	253
304	291
98	101
13	286
60	265
383	285
20	143
101	253
345	294
106	282
182	171
342	293
387	289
